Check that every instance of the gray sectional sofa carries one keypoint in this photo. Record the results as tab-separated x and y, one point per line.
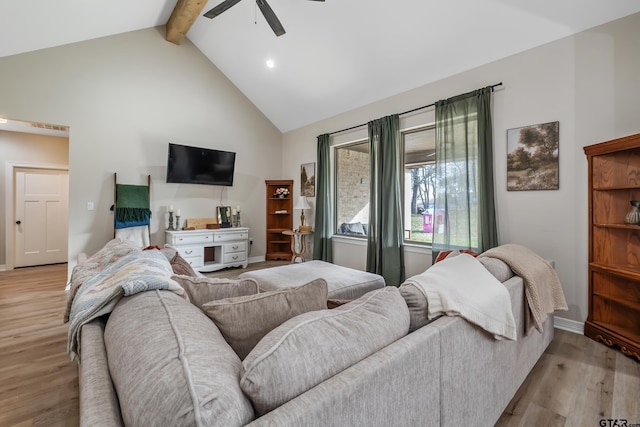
355	365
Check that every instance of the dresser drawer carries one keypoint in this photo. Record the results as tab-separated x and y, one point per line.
195	262
183	239
235	247
234	257
190	251
231	236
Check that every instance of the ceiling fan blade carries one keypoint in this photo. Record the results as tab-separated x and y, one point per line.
221	8
271	17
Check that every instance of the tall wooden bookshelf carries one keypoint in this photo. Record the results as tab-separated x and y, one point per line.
279	219
614	247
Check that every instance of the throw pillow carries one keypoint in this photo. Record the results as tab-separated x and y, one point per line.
202	290
312	347
243	321
417	304
181	266
497	267
178	263
444	254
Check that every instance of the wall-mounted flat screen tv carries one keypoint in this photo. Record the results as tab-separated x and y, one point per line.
194	165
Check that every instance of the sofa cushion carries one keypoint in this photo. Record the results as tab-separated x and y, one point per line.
417	304
202	290
312	347
244	320
170	366
497	267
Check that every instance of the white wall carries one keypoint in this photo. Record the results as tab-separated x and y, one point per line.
23	148
124	98
588	82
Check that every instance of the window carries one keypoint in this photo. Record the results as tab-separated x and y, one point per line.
419	184
352	188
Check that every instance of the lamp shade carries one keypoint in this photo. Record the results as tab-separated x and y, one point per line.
301	203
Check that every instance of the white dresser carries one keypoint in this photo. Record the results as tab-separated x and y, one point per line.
210	250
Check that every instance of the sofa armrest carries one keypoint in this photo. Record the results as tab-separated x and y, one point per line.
98	400
398	385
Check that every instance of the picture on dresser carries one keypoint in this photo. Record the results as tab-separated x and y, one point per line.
224	216
532	157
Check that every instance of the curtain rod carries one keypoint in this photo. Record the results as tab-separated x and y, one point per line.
400	114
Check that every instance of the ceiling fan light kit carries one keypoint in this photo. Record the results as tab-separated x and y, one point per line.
267	12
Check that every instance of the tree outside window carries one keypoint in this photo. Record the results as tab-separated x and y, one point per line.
419	184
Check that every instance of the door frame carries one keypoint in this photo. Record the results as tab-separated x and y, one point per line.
10	211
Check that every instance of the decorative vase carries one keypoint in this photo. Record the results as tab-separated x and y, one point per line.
633	217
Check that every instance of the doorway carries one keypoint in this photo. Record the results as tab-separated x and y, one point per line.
41	216
33	155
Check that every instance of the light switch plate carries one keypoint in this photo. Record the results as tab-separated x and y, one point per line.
89	206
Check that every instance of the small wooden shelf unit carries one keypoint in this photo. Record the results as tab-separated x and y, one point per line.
614	247
279	219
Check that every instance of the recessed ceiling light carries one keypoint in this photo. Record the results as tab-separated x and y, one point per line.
270	63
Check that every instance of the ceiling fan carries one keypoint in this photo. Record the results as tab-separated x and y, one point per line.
266	10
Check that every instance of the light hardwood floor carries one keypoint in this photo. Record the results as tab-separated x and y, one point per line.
577	382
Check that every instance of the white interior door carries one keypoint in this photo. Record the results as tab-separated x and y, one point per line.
41	216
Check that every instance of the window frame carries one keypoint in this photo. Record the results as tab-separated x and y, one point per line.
360	139
403	133
334	162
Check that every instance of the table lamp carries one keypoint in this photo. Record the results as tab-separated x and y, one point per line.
302	204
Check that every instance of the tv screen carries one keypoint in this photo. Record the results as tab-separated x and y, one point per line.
194	165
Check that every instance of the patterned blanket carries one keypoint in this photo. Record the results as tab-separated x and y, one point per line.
108	254
128	275
542	288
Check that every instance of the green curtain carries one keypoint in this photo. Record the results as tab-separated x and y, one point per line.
385	239
322	249
464	210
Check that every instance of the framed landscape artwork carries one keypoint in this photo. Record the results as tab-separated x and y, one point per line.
308	179
532	157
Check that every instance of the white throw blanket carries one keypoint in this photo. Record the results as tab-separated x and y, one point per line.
542	287
139	235
461	286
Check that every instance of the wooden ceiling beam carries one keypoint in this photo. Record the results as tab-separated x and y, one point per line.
182	18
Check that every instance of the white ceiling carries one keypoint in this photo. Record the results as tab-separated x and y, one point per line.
336	55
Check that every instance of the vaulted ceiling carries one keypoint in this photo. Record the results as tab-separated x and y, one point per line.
336	55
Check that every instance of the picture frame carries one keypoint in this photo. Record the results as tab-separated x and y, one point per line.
224	216
308	179
533	157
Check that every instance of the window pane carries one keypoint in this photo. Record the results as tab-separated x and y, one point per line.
352	189
419	184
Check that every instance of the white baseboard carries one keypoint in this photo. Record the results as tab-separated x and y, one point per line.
256	259
568	325
3	267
